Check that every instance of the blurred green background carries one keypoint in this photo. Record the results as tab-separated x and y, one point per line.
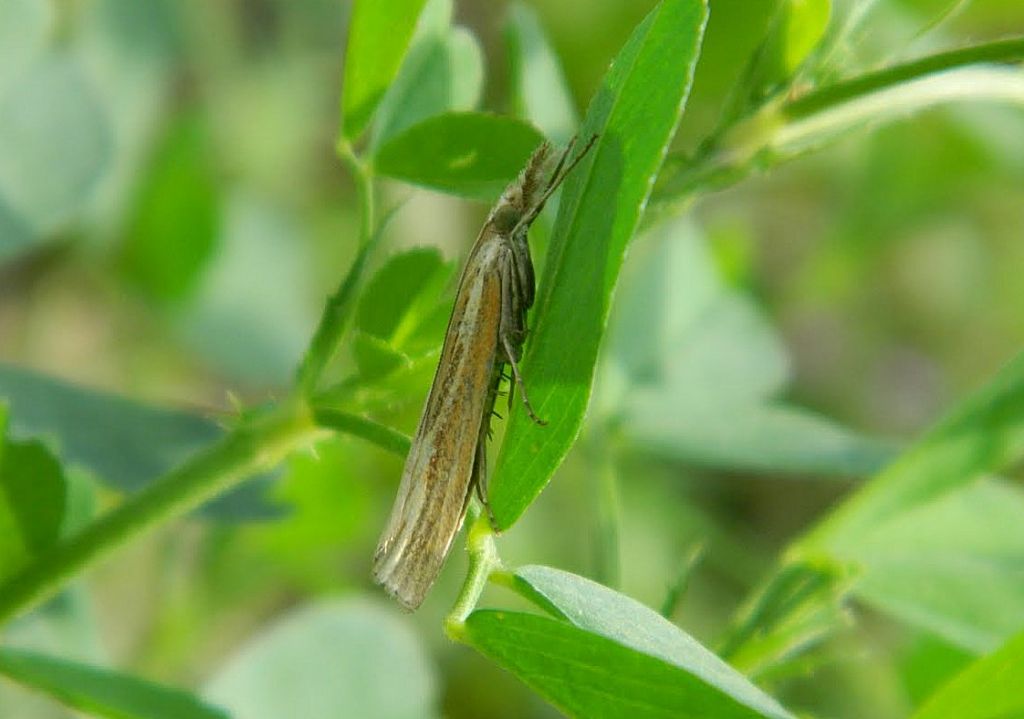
172	216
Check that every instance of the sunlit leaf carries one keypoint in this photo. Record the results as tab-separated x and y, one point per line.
378	37
634	115
469	153
608	655
987	689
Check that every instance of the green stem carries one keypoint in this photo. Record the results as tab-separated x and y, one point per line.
1001	51
483	561
258	444
339	307
783	129
379	434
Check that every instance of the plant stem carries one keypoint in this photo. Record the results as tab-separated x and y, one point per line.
379	434
258	443
340	304
483	561
786	128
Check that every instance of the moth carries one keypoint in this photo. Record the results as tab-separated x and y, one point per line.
448	456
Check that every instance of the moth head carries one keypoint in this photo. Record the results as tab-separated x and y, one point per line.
525	193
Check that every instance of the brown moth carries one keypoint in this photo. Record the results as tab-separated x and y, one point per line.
486	331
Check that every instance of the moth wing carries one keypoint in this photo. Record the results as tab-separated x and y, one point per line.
436	480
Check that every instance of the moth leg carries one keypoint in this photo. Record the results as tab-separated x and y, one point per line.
478	478
511	331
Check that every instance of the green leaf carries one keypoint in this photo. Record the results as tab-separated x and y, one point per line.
926	566
124	443
539	91
987	689
694	367
174	226
634	114
55	141
982	435
805	24
101	692
757	438
442	73
33	494
463	153
342	658
378	37
402	295
610	656
374	357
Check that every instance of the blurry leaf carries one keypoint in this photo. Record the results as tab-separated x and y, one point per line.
341	658
611	656
800	606
756	438
174	225
32	498
539	91
929	663
990	688
124	443
794	31
100	692
15	235
397	314
469	153
250	315
806	21
700	370
443	72
54	141
375	357
634	114
952	566
378	37
402	294
24	25
982	435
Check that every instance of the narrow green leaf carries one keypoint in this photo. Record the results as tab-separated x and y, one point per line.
925	567
33	494
469	153
342	658
378	37
124	443
990	688
634	114
982	435
101	692
539	91
608	655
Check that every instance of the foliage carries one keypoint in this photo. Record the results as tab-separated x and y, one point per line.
131	147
